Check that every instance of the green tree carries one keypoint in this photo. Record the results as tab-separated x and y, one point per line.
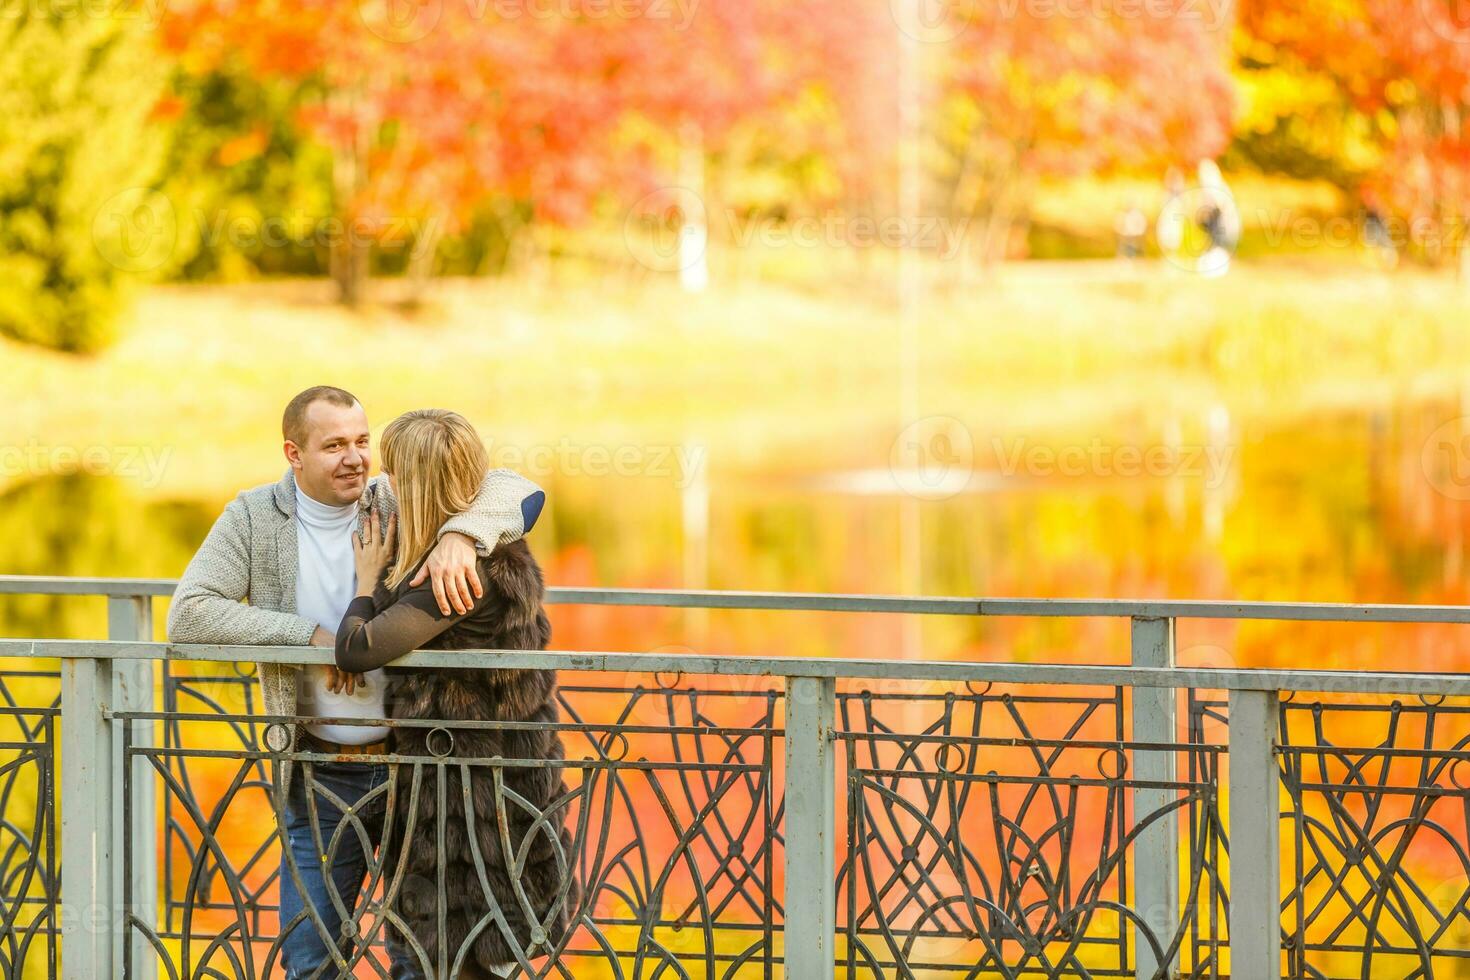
79	151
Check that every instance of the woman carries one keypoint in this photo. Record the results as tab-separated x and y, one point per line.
436	463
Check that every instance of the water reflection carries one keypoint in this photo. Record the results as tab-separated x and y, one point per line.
1356	506
84	525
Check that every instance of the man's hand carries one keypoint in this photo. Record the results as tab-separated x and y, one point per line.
337	680
453	570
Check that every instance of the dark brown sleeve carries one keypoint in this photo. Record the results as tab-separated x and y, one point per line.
368	639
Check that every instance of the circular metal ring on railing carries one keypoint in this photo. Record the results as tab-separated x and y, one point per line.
605	744
1289	697
446	739
1102	769
658	678
243	668
942	753
1455	777
1439	700
276	737
970	687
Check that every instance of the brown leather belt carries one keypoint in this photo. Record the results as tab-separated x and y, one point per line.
313	743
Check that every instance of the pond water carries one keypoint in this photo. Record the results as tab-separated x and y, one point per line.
1357	506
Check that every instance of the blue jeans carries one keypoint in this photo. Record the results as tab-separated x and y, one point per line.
303	952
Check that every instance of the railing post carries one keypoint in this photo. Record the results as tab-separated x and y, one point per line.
131	618
88	811
1156	849
811	871
1255	836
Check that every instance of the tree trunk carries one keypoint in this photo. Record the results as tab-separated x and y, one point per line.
350	270
694	232
351	252
421	258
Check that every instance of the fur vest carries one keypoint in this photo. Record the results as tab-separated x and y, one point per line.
529	892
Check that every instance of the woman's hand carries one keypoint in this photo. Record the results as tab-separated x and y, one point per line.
373	554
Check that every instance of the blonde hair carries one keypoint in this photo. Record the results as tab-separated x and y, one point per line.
437	462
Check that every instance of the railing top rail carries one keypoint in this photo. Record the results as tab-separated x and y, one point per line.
834	602
1313	681
67	585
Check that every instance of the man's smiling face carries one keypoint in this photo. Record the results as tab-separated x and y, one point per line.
333	464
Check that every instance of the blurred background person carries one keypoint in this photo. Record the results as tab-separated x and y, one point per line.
1132	228
1218	219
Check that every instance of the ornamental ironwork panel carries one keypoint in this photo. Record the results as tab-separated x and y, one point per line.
29	873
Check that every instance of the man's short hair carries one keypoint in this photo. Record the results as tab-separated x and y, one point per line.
293	422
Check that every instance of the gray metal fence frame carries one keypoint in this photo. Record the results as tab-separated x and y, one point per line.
100	678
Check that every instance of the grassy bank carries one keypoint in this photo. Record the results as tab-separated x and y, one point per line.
767	372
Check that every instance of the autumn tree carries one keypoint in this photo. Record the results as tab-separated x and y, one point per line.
761	110
78	158
1030	91
438	112
427	118
1389	113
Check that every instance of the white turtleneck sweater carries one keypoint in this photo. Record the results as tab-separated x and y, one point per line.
326	581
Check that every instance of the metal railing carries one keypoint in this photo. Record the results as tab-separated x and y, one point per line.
733	816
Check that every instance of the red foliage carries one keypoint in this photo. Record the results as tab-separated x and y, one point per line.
1071	94
460	100
451	103
1404	65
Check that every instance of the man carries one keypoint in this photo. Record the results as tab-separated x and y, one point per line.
287	549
